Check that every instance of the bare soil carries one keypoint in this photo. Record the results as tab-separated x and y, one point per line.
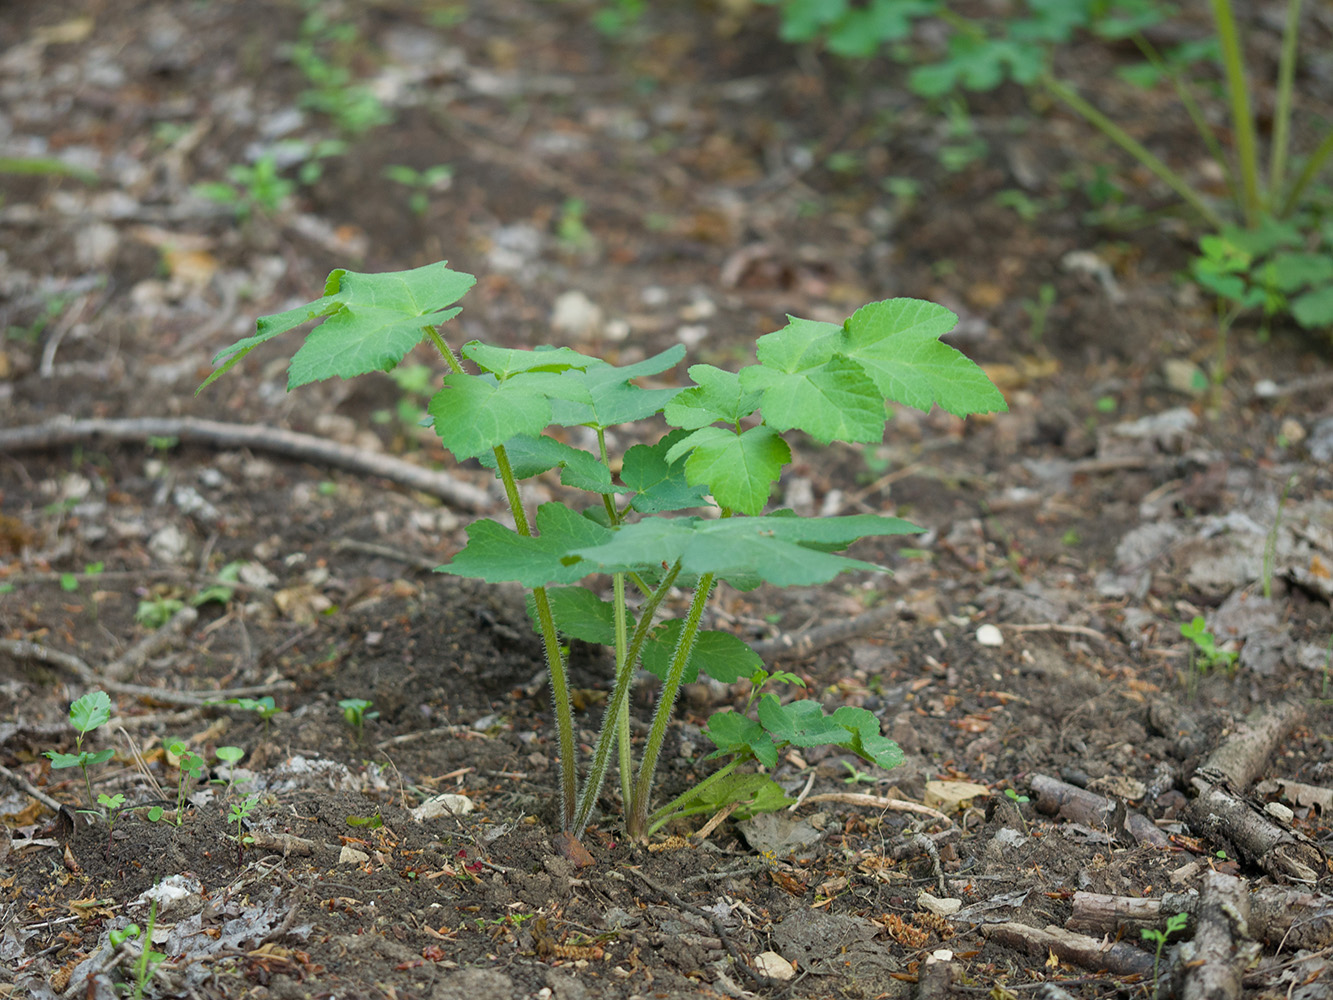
1113	502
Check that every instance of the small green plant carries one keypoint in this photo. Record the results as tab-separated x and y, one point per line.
1204	655
220	592
231	756
89	712
352	107
615	17
113	804
154	612
855	776
264	707
1159	937
354	711
981	52
570	228
250	189
421	183
189	767
240	812
721	460
1038	310
148	960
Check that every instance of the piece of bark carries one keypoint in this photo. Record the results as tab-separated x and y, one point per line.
1247	752
933	979
1117	958
1221	814
1280	917
1082	806
287	843
1211	965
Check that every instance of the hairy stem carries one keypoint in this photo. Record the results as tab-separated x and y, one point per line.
637	809
1063	92
617	708
555	664
1286	77
675	807
1242	119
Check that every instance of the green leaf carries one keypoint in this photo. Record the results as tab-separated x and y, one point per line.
834	401
495	553
717	395
733	733
90	711
580	614
530	456
603	396
60	761
866	741
755	793
741	550
474	413
1292	271
373	320
1314	310
721	655
659	485
737	469
897	343
503	362
801	723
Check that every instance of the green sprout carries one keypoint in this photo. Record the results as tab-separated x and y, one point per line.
190	766
1173	924
421	183
240	811
1205	655
264	707
354	711
230	756
688	510
90	712
113	805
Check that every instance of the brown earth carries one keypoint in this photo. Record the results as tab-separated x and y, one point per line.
1112	503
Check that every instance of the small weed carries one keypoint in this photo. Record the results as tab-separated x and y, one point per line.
1205	655
855	776
250	189
156	611
354	711
240	811
264	707
90	712
571	230
113	804
230	756
1173	924
1038	310
189	766
422	184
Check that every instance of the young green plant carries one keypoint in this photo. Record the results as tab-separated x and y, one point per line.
688	511
240	812
231	756
1205	655
1176	922
189	767
92	711
113	804
354	712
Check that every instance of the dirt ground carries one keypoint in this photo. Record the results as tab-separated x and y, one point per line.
692	180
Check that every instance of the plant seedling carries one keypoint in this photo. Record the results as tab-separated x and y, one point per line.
240	811
1205	655
354	711
264	707
230	756
855	776
156	611
90	712
421	183
113	805
720	461
190	765
1173	924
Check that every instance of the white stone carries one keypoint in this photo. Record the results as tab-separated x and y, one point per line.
351	856
774	966
447	804
937	906
990	635
576	315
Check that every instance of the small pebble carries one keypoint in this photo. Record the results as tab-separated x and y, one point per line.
990	635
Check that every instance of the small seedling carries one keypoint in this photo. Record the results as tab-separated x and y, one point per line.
156	611
113	805
220	592
354	711
90	712
855	776
260	188
264	707
421	183
190	766
240	811
1173	924
230	756
1205	655
721	460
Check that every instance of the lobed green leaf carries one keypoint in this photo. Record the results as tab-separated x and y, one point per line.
738	469
658	484
530	456
474	413
717	395
495	553
721	655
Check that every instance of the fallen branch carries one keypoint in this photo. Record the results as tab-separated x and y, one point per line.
1279	916
1210	965
1245	755
304	447
1118	958
1082	806
28	788
129	662
877	802
22	650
